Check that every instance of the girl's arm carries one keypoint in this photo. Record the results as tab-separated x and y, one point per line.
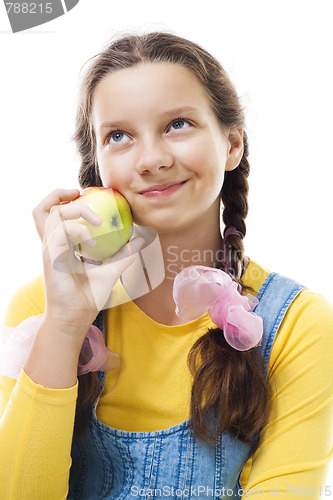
36	429
297	442
37	412
34	421
75	291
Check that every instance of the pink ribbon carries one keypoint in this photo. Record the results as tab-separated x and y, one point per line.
198	289
15	344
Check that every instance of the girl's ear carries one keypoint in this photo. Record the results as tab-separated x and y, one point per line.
236	148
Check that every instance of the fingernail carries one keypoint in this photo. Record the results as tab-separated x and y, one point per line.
91	243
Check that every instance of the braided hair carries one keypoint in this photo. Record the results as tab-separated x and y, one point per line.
229	384
234	197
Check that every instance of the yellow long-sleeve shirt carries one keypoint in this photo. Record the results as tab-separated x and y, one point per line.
151	391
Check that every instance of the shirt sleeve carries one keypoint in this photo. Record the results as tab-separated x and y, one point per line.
36	423
296	444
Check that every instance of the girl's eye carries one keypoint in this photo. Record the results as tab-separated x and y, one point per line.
117	137
179	123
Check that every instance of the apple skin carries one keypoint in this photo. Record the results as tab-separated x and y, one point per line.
116	228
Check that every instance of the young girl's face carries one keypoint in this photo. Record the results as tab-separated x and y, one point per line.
160	144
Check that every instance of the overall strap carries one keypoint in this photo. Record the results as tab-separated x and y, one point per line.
275	297
99	322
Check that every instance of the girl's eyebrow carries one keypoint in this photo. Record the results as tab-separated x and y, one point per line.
110	125
169	113
179	111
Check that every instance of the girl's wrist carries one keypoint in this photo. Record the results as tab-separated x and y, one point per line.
54	355
72	328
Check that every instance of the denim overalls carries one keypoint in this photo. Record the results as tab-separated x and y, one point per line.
113	464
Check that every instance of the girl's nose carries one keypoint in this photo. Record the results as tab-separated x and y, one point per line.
153	155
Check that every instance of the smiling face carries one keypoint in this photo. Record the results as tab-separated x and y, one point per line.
160	144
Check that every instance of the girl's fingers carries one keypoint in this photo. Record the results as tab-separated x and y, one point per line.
61	213
56	198
122	259
72	211
78	233
41	212
103	277
59	241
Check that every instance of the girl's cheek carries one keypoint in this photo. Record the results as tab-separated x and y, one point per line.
114	176
108	179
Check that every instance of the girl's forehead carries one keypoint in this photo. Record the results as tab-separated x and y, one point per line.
156	69
157	75
158	83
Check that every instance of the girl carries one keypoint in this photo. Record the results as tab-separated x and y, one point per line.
219	397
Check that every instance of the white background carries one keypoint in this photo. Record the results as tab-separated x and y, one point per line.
279	56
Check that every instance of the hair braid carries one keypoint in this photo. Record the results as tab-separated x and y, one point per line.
234	195
221	375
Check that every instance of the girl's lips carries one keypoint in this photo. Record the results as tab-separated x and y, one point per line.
162	192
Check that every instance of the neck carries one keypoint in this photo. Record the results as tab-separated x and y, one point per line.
194	248
195	244
199	244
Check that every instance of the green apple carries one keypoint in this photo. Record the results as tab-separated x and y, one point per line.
116	228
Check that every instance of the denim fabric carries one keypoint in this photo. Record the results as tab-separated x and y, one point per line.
113	464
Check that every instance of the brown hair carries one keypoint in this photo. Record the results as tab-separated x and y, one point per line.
229	385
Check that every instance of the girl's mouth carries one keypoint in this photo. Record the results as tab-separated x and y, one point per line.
163	190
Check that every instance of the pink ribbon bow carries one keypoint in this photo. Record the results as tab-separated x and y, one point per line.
15	344
198	289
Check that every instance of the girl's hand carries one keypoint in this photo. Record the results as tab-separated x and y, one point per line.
75	291
42	210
